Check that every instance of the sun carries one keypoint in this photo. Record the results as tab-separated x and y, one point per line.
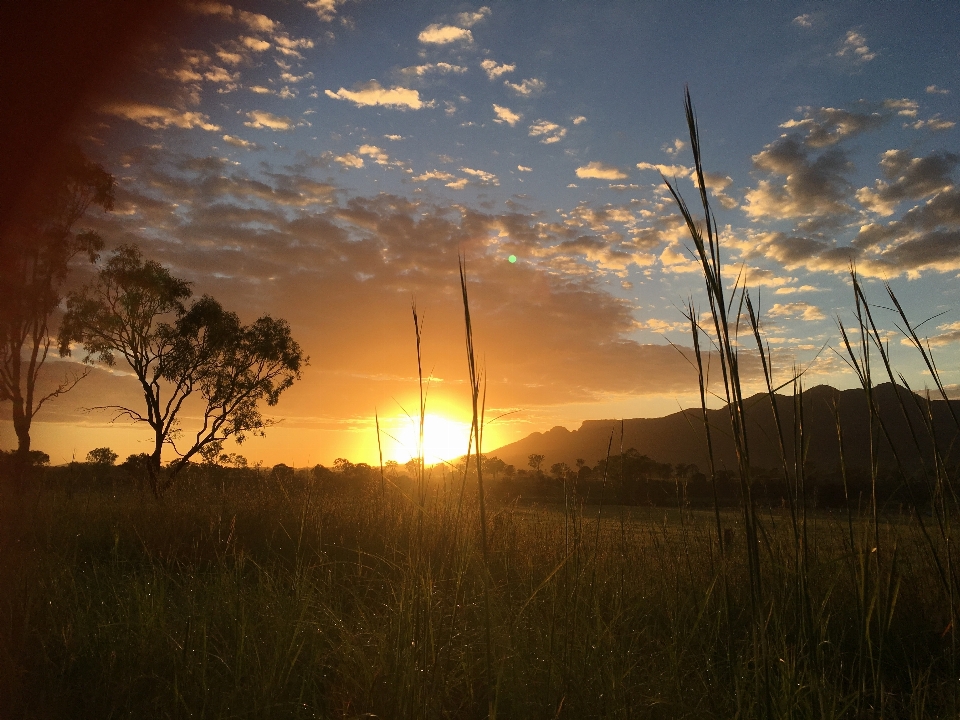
443	438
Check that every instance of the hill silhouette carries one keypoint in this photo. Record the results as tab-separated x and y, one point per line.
680	437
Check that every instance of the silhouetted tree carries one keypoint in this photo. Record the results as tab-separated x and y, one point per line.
135	309
493	465
534	460
102	456
35	254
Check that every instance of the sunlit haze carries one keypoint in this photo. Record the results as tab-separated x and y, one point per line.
328	162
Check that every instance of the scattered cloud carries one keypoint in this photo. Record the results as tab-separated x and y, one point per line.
459	184
156	117
813	187
855	48
240	142
372	93
579	120
394	137
804	21
903	106
506	115
674	148
434	175
444	35
950	333
483	177
547	131
263	120
495	70
600	171
827	126
257	21
910	178
524	168
349	160
526	87
469	19
802	310
440	68
326	10
670	171
256	44
935	124
934	90
375	154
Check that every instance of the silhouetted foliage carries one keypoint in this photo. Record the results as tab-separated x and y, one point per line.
136	309
102	456
35	254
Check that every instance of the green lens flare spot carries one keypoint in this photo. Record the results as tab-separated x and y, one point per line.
512	258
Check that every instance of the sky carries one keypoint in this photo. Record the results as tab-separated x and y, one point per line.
328	162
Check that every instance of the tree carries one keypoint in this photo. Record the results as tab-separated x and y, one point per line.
494	465
136	309
102	456
35	253
559	470
534	460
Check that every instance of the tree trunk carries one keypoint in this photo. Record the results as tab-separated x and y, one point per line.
158	483
21	462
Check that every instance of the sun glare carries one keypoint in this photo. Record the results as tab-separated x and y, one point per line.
443	439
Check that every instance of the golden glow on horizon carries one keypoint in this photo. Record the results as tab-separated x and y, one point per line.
443	439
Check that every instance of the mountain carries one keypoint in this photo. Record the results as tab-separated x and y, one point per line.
680	437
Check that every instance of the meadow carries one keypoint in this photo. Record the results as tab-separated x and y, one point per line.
271	597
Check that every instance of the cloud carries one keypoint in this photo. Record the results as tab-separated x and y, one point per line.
600	171
256	44
291	46
950	333
670	171
375	153
827	126
485	178
813	187
441	68
524	168
579	120
526	87
349	160
935	124
256	21
494	70
802	310
547	131
434	175
855	48
263	120
326	10
394	137
674	148
156	117
444	35
903	106
506	115
934	90
804	21
240	142
372	93
458	184
469	19
911	178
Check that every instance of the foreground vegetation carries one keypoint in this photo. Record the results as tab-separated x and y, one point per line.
275	596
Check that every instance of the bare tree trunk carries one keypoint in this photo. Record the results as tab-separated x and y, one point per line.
21	462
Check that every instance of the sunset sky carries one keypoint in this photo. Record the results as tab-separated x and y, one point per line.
325	161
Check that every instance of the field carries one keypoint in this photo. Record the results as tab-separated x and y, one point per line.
278	597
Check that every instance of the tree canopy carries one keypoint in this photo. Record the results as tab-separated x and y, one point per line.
136	309
36	248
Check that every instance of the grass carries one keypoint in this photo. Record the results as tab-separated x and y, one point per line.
272	595
274	601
